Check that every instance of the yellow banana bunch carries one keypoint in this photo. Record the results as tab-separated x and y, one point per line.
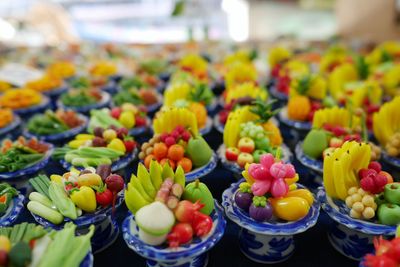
386	121
391	80
334	116
175	92
245	89
232	126
277	55
240	72
167	119
342	166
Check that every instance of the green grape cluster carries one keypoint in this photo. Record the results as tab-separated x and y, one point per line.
250	129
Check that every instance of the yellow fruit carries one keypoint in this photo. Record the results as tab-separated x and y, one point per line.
76	143
133	199
56	178
117	144
170	117
127	119
245	89
298	108
84	137
5	244
290	208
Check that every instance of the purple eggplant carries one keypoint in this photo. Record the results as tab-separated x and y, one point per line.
243	200
260	210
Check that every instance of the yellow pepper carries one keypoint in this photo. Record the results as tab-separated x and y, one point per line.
76	143
89	179
56	178
290	208
84	198
84	137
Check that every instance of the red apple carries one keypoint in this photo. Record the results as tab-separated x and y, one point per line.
232	153
244	158
116	112
335	142
246	144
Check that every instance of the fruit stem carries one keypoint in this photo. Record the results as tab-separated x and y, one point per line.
278	154
196	183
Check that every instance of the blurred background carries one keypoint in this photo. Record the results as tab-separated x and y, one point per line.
51	22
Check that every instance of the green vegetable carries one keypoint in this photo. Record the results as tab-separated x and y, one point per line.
35	196
46	124
133	82
102	118
20	255
99	152
85	162
59	152
66	250
77	98
127	96
45	212
41	184
63	203
17	158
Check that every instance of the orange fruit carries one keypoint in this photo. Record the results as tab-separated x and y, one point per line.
176	152
171	163
160	150
148	159
186	164
388	176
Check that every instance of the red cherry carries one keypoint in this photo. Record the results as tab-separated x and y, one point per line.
169	141
175	134
180	129
338	131
367	184
375	166
362	173
163	136
186	136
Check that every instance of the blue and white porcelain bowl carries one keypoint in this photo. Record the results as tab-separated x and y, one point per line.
282	97
213	106
11	130
190	255
26	113
55	93
61	138
314	165
351	237
394	162
13	211
232	166
137	131
154	107
296	129
19	179
103	103
207	127
87	261
106	227
115	166
203	170
111	87
266	242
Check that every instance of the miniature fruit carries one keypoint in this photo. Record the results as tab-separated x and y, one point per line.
127	119
199	151
246	145
260	210
257	155
186	164
176	152
198	191
232	153
117	144
181	233
290	208
389	214
315	143
201	224
392	193
160	151
185	210
109	134
244	158
298	108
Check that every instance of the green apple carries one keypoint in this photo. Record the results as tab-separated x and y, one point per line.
262	143
389	214
329	102
257	154
197	190
392	193
199	151
315	143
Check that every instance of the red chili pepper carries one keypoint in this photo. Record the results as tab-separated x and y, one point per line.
201	224
104	198
181	233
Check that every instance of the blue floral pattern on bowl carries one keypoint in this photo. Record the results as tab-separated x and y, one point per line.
106	227
202	171
30	111
115	166
351	237
304	126
393	161
13	211
189	255
87	261
313	164
266	242
61	137
236	169
10	128
103	103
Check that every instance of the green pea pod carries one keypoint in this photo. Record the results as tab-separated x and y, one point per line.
63	203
